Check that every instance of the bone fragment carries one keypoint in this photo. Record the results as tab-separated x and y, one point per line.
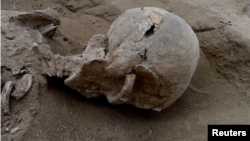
60	63
45	21
48	30
126	90
22	86
38	18
14	131
5	98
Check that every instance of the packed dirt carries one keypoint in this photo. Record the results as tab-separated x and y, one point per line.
219	92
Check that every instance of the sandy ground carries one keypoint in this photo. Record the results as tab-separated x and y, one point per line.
219	92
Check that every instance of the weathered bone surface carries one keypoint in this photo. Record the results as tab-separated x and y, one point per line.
149	60
22	86
146	59
5	98
21	32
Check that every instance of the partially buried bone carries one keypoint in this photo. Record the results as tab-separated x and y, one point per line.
27	29
38	18
22	86
147	58
46	21
158	48
152	52
5	98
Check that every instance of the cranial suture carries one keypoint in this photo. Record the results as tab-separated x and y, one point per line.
147	58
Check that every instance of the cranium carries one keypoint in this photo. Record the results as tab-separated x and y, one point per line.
147	59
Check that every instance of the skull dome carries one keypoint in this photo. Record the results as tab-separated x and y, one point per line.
147	59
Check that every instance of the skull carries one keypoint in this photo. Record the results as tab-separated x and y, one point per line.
147	59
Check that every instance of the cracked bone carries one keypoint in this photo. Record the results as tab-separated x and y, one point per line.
5	98
160	49
22	86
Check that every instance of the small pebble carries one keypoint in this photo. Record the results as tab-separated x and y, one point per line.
150	132
34	44
34	113
14	131
32	108
7	130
